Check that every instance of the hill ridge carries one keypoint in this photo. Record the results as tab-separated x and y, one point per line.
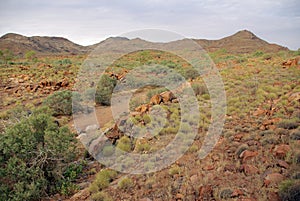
243	41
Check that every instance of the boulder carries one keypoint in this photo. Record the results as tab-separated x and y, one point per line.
281	150
156	99
167	96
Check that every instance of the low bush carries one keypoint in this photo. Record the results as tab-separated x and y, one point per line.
288	124
101	196
105	89
34	158
126	183
289	190
61	102
102	180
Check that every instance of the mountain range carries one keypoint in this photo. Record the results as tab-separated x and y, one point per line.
241	42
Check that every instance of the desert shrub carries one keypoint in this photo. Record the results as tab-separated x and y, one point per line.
175	170
125	183
135	102
258	53
101	196
108	151
6	56
105	89
289	190
146	119
102	180
61	102
153	92
288	124
34	154
266	133
193	148
124	144
142	147
199	89
295	135
226	193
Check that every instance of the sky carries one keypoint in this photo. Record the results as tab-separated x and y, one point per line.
87	22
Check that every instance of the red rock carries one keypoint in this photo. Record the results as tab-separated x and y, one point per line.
194	179
246	155
145	199
209	167
281	150
283	164
237	193
246	199
238	137
205	192
274	196
273	179
249	169
179	196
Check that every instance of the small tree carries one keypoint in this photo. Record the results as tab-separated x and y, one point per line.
105	89
34	154
61	102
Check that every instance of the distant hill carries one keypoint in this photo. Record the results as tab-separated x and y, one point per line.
240	42
43	45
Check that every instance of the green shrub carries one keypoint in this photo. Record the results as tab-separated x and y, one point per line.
101	196
102	180
226	193
108	150
175	170
289	190
199	89
61	102
288	124
258	53
125	183
124	144
105	89
34	154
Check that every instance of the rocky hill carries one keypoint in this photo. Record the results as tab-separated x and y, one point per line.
241	42
19	45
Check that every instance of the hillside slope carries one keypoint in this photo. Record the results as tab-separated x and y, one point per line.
241	42
19	45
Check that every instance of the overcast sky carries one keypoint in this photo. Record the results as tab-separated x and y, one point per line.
89	21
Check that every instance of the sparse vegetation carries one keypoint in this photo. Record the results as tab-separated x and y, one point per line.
39	158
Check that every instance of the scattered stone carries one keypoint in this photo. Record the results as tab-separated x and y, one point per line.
281	150
282	164
274	196
205	192
179	196
238	137
194	179
145	199
237	193
249	169
273	179
209	167
247	155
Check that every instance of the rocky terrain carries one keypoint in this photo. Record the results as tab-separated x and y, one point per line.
257	156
